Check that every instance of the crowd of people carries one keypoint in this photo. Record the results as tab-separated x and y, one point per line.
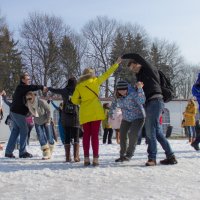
134	109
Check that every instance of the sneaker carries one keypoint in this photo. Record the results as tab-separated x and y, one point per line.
9	155
195	146
122	159
26	155
169	161
151	162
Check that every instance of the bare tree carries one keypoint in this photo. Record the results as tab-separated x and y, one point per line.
99	34
42	35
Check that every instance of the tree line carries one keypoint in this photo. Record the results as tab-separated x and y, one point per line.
51	52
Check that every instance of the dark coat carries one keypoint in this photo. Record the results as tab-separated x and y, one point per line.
148	75
18	104
68	120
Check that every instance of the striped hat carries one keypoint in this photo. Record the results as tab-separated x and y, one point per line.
122	85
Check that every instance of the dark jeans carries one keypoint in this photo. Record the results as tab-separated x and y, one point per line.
131	130
71	133
108	132
20	128
154	130
30	127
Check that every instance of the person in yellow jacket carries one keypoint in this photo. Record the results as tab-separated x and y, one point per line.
108	131
91	111
189	117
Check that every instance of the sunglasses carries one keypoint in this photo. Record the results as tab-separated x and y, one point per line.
28	99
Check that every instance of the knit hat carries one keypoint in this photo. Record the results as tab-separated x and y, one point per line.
122	85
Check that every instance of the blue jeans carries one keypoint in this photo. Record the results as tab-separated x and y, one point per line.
191	131
154	130
61	131
44	134
20	128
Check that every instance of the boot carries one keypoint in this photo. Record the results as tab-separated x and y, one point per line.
46	152
169	161
151	162
95	161
86	161
67	153
51	147
76	152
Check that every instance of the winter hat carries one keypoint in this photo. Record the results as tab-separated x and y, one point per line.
122	85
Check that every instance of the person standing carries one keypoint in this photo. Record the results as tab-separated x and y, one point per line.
18	112
189	117
60	127
40	110
91	113
108	131
115	122
133	115
70	120
154	105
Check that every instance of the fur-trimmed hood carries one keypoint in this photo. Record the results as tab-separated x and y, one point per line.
85	77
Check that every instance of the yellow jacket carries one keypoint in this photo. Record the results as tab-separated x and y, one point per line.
105	123
189	114
91	108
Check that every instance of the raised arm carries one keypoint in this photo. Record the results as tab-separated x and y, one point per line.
111	70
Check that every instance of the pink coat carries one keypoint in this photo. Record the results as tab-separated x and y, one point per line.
116	119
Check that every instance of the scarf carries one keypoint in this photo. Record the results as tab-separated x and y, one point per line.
33	107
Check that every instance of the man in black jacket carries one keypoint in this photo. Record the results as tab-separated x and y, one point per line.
18	112
153	106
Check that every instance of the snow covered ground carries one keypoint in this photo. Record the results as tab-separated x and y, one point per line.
22	179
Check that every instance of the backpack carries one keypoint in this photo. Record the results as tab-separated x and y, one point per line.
166	87
69	107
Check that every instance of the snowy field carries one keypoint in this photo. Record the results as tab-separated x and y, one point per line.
22	179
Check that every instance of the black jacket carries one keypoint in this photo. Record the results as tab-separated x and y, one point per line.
68	120
18	104
148	75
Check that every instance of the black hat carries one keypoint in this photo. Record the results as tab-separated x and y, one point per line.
122	85
134	57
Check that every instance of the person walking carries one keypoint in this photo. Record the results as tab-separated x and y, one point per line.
133	115
18	112
154	105
91	113
69	119
41	112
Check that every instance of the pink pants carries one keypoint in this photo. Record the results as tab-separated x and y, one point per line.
91	132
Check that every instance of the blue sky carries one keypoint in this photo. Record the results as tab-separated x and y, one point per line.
174	20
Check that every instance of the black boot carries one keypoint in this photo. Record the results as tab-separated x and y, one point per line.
169	161
26	155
